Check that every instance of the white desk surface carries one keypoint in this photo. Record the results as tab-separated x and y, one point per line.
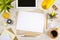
13	17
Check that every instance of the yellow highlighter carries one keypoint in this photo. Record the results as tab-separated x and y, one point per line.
47	3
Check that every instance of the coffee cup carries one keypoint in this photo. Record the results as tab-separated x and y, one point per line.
53	33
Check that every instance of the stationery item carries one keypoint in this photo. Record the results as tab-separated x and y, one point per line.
31	21
9	21
23	33
5	37
55	7
9	34
46	21
12	31
6	15
12	36
47	3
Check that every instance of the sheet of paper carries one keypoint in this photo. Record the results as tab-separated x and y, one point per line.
5	32
30	21
5	37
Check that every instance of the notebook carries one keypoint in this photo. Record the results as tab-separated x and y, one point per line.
31	21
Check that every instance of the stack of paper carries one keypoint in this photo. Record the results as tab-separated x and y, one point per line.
30	21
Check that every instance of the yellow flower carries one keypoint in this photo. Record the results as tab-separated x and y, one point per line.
53	13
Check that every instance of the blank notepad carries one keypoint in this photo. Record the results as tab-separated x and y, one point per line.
30	21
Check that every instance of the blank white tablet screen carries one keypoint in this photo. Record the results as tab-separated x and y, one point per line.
30	21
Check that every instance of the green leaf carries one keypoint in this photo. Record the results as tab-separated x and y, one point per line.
5	5
1	6
8	10
5	9
8	1
1	9
9	6
1	1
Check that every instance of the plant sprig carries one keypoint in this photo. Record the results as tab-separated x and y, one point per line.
5	5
